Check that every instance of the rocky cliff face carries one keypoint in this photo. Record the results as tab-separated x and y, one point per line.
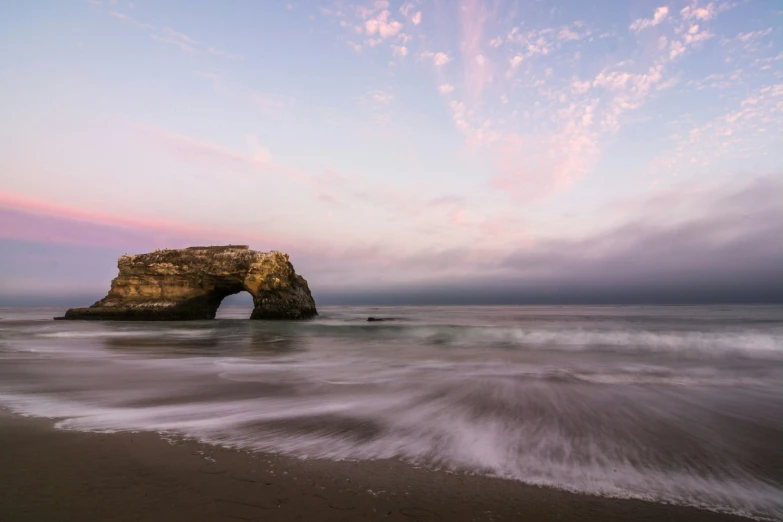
190	284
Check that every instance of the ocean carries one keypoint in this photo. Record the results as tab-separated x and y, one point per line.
673	404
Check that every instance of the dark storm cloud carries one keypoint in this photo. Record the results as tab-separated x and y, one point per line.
731	251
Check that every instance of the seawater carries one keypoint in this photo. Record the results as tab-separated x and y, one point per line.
671	404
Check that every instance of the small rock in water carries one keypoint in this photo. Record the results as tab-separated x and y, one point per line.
376	319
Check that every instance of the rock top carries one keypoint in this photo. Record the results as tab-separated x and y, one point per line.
190	284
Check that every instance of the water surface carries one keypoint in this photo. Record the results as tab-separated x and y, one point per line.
671	404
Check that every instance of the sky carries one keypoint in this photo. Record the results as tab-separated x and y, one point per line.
427	152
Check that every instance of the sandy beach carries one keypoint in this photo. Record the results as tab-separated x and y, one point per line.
56	475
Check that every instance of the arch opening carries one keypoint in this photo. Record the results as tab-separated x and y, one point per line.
238	305
222	288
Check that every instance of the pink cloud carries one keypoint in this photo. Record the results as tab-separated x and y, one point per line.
172	37
214	51
744	127
171	41
270	103
260	161
438	59
125	18
478	72
192	150
179	36
169	36
458	218
529	168
499	226
27	219
566	34
446	201
408	12
709	11
24	218
9	200
399	50
383	25
643	23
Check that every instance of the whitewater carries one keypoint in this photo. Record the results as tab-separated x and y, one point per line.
674	404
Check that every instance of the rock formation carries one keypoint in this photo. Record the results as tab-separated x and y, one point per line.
190	284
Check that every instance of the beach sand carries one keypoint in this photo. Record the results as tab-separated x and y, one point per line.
54	475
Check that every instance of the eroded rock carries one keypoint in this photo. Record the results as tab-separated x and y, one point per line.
190	284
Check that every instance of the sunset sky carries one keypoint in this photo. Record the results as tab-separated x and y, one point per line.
447	151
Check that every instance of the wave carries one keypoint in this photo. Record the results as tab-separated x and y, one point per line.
541	439
718	344
637	437
655	412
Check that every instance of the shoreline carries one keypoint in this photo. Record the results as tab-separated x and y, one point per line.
51	474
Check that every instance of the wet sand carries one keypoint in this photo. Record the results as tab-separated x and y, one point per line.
56	475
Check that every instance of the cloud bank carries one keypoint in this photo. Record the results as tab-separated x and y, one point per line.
719	244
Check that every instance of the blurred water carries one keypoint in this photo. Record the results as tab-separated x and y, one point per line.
672	404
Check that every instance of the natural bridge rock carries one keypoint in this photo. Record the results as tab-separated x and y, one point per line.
190	283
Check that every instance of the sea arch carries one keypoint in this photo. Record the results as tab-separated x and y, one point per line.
190	283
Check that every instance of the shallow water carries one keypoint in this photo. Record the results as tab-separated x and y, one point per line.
672	404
